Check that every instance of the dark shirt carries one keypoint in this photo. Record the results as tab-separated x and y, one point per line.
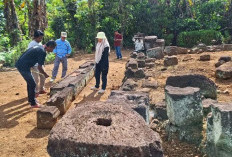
104	62
117	43
30	57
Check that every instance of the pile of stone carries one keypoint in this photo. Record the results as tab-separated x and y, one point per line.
62	94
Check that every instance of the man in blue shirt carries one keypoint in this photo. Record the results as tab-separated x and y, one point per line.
62	50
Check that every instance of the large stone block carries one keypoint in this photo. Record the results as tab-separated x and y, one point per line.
224	71
132	63
205	57
139	73
174	50
219	131
102	129
184	110
155	53
207	86
138	101
62	99
170	60
149	42
47	117
227	47
207	106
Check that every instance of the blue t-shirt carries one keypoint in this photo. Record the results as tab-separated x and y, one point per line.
30	57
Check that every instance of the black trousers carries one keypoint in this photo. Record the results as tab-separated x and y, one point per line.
100	71
31	85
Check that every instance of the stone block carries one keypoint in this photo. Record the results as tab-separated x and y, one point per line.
103	129
155	53
161	111
170	61
130	73
185	113
150	84
138	101
224	71
141	63
150	60
202	46
132	63
47	117
207	106
129	85
171	50
62	99
141	56
225	58
149	42
205	57
219	63
207	87
219	131
227	47
160	43
134	55
150	65
139	73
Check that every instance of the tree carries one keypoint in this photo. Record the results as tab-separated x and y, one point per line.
12	25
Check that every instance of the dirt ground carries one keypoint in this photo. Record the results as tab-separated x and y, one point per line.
19	135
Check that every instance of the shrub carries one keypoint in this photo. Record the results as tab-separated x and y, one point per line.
50	58
189	39
168	39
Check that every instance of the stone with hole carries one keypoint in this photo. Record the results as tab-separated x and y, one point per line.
103	129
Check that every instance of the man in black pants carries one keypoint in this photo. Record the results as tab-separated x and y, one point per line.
27	60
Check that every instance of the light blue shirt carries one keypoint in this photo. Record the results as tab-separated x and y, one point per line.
62	48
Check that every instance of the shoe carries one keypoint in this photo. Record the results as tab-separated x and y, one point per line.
42	92
101	91
37	94
120	58
52	80
36	106
94	88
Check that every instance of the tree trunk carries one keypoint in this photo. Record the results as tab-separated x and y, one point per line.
12	25
37	16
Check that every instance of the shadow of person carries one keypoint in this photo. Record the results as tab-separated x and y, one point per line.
12	111
38	133
91	97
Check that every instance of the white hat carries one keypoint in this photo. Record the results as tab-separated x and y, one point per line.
101	35
64	34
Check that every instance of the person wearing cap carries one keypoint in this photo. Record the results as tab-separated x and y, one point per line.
62	51
117	43
26	61
39	78
101	61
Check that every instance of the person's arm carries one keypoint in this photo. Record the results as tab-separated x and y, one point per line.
41	70
104	59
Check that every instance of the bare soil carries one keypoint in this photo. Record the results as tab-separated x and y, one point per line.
20	137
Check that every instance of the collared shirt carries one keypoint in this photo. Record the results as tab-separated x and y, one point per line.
117	43
63	48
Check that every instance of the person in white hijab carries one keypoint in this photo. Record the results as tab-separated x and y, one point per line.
101	61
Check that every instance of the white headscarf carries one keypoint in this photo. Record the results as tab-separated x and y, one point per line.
100	48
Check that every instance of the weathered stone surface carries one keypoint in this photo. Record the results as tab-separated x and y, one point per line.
174	50
141	56
219	63
149	42
133	55
205	57
202	46
139	73
103	129
207	105
141	63
150	84
194	50
155	53
207	86
132	63
170	60
187	58
150	65
62	99
161	111
138	101
184	110
219	131
129	85
227	47
150	60
225	58
182	50
47	117
160	43
130	73
85	72
224	71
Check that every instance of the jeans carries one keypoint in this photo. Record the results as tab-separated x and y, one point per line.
98	71
118	52
39	79
57	61
30	86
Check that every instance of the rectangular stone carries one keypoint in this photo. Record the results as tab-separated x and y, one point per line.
138	101
47	117
62	99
